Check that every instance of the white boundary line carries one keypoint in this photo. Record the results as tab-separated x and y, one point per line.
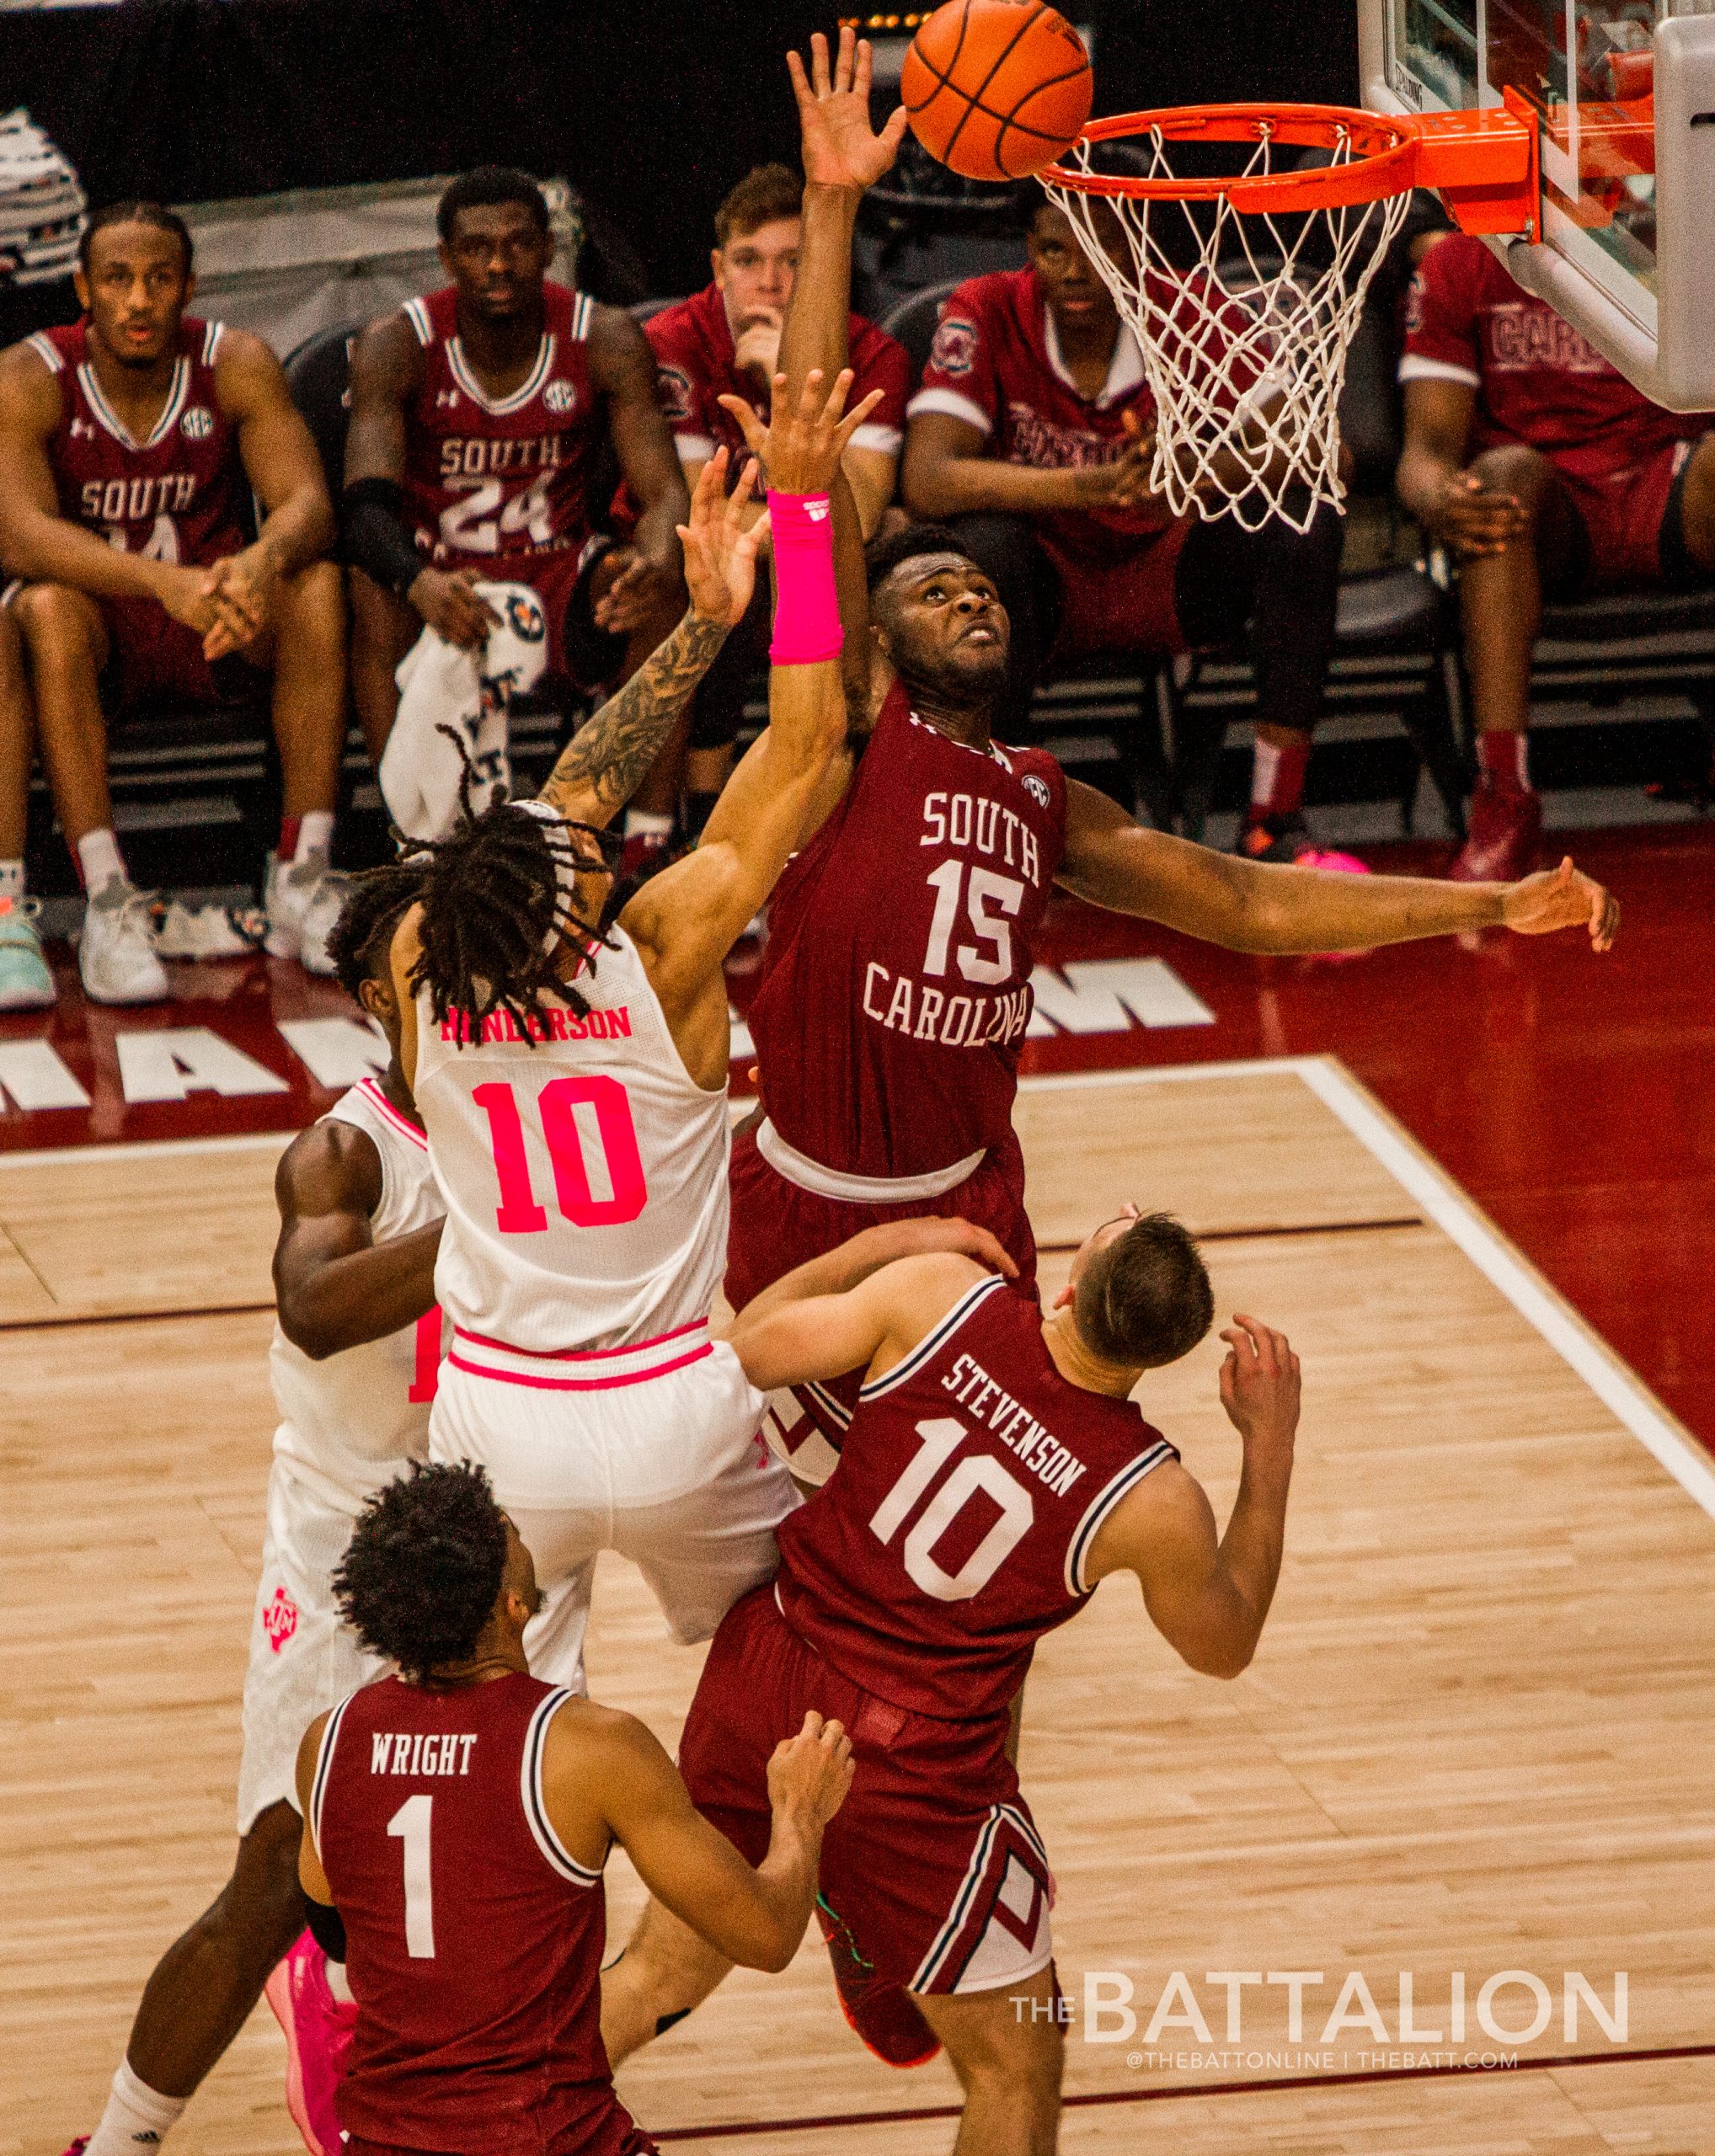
1575	1341
155	1149
1461	1221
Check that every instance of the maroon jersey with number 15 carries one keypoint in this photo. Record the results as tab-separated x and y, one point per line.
475	1938
176	496
972	1481
895	991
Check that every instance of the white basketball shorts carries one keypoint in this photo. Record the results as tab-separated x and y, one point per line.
652	1451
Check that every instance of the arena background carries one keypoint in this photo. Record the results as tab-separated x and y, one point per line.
197	100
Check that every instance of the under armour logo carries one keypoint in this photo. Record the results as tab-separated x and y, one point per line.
446	396
81	427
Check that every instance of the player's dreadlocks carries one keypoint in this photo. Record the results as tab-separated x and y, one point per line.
361	936
496	904
423	1568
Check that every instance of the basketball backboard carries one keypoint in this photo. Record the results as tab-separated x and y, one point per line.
1623	92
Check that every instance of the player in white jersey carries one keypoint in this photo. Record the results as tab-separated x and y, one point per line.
573	1084
353	1364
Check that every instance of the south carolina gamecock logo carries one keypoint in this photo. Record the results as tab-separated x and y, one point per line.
280	1618
559	397
954	349
525	618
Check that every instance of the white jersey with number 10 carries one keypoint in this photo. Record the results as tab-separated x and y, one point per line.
584	1173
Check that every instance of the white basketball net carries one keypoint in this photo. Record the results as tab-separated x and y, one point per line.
1246	352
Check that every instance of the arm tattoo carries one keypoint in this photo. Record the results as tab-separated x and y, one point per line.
609	757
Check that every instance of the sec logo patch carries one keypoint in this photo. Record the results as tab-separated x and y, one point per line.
198	424
559	397
1037	788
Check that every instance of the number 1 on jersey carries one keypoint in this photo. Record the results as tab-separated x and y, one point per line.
410	1825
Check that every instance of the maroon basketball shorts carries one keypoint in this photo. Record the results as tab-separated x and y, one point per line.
153	659
604	2128
933	1878
1118	594
1621	512
777	1225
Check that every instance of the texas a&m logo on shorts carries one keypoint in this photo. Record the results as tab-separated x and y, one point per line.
280	1618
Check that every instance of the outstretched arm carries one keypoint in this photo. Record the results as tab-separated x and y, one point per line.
336	1287
623	368
605	1775
1248	905
842	157
603	765
688	918
863	1305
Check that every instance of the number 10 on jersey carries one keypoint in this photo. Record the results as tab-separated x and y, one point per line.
586	1125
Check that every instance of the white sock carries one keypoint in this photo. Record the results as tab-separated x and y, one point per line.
642	823
11	880
138	2116
99	860
1265	762
315	832
338	1982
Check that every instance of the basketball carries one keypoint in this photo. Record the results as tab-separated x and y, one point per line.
997	89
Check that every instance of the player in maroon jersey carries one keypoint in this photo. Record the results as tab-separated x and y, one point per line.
995	1470
725	341
1544	472
477	413
457	1818
129	444
1030	435
895	986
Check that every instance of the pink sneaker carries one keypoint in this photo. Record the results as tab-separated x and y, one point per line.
318	2030
78	2146
1348	864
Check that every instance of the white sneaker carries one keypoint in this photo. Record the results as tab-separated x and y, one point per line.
302	901
116	952
183	931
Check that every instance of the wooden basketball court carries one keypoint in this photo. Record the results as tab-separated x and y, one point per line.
1475	1740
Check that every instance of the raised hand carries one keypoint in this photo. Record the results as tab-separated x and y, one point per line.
800	449
1259	1385
1562	898
720	555
841	148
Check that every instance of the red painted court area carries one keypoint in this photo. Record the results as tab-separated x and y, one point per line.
1573	1097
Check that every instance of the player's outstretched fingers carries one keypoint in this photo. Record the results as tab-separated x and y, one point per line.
749	421
854	418
1263	1339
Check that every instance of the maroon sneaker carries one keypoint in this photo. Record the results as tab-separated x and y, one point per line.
1505	827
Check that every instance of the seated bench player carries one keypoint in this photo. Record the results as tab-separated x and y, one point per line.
477	415
1030	438
130	444
1546	475
996	1468
725	341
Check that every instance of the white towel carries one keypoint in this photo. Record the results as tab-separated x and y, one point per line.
441	685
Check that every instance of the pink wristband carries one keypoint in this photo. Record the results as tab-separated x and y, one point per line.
807	606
